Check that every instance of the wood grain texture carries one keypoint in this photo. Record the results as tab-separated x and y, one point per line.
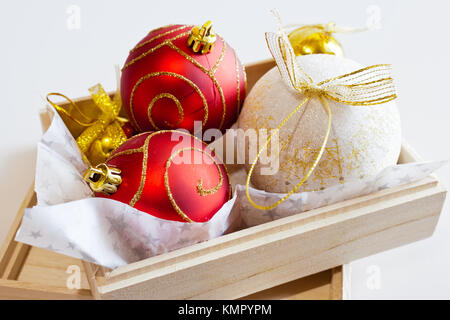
19	290
16	261
10	247
237	264
33	273
337	283
314	287
43	275
92	271
256	71
50	268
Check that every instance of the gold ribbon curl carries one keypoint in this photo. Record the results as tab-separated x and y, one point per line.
100	135
364	87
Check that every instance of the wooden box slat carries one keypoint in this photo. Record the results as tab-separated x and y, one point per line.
294	257
317	286
42	275
298	246
28	272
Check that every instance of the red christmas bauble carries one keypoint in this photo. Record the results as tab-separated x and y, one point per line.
128	130
165	85
170	175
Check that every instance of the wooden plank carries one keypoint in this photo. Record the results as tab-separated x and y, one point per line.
337	278
304	267
46	117
422	185
42	263
408	154
16	261
266	229
314	287
257	70
91	273
34	273
50	268
8	248
229	267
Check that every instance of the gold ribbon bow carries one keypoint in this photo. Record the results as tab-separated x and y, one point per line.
365	87
102	132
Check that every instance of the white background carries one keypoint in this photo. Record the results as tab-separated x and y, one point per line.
41	52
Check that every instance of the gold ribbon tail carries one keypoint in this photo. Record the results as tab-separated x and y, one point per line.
99	134
69	113
306	176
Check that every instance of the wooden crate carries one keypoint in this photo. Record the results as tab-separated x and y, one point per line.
27	272
294	257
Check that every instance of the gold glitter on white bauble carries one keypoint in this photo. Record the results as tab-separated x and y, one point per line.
363	139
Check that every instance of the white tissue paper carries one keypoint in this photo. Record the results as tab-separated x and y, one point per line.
299	202
68	220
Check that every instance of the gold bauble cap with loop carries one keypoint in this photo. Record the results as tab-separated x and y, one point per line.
202	38
313	39
103	178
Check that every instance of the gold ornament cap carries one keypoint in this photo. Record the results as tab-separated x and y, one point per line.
315	39
103	178
202	38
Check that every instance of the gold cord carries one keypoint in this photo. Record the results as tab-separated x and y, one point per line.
68	113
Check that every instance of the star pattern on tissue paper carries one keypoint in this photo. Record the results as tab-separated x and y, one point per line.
36	234
117	224
27	214
73	159
76	175
66	199
51	248
45	164
87	257
272	214
183	241
116	247
378	180
186	227
383	186
71	245
44	184
141	251
423	167
130	210
405	179
150	238
50	144
162	223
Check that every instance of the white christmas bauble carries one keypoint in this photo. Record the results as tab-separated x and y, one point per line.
363	139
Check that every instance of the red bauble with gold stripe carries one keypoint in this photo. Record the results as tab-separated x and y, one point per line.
170	175
165	85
